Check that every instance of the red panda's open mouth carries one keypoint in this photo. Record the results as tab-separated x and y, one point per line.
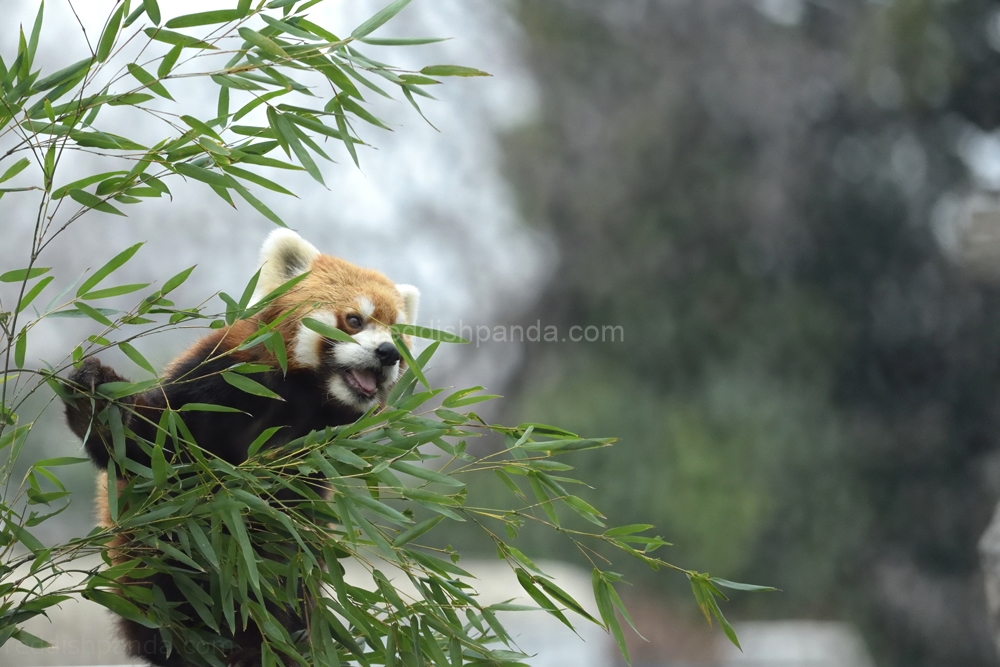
362	381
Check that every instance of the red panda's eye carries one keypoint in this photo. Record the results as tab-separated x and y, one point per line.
354	321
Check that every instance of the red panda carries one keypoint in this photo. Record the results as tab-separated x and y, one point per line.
328	383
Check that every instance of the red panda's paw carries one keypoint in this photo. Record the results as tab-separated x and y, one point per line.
82	383
92	373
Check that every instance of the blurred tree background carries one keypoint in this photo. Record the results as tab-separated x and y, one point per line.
768	197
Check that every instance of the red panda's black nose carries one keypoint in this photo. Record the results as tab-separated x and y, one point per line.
387	354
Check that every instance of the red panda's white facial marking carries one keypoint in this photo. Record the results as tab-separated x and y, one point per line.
365	306
365	369
357	374
360	302
308	348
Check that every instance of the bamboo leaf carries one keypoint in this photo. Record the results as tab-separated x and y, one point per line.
176	281
257	101
204	18
152	9
528	584
110	267
345	135
379	19
49	165
117	390
282	26
62	191
620	606
543	498
379	508
607	611
168	62
345	455
148	80
33	292
419	80
234	520
77	69
270	162
201	174
725	583
20	348
29	639
110	33
336	75
208	407
134	16
24	537
452	70
93	313
105	140
316	126
562	596
200	127
202	542
362	113
111	490
118	605
257	204
222	108
262	439
256	178
20	275
23	60
136	357
245	384
177	39
15	169
424	332
235	82
327	331
94	202
159	465
132	99
713	605
36	30
405	41
425	473
263	43
462	398
287	131
74	313
113	291
317	30
584	509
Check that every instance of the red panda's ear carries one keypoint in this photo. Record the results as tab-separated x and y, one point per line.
411	300
283	256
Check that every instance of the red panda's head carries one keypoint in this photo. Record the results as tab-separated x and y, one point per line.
360	302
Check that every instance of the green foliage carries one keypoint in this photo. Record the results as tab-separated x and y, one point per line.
266	530
251	542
